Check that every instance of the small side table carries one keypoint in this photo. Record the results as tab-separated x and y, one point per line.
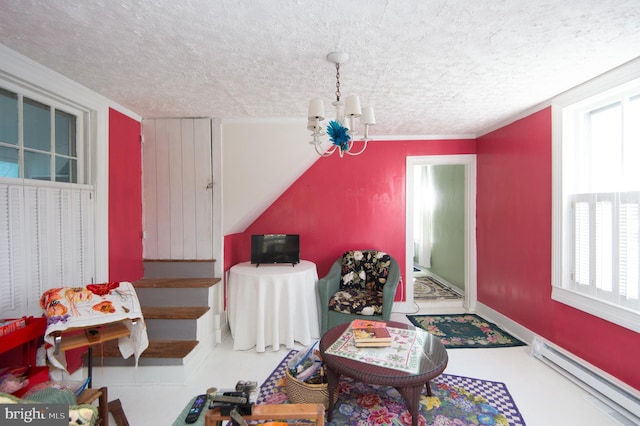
433	361
273	304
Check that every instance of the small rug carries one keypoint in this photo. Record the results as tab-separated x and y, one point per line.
456	401
465	331
427	288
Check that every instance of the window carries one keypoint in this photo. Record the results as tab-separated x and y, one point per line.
596	199
47	210
38	140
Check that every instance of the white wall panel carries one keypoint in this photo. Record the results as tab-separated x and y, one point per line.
149	195
188	190
204	188
162	188
177	199
176	191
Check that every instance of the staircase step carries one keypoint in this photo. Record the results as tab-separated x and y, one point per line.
172	329
156	349
177	298
174	312
179	268
176	282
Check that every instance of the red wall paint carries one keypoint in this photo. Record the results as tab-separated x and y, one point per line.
344	204
514	249
125	198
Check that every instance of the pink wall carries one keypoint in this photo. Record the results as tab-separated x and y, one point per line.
349	203
125	198
514	249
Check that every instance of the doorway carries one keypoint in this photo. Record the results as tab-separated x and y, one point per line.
438	232
453	258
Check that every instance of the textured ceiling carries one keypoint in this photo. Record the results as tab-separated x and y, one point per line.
428	67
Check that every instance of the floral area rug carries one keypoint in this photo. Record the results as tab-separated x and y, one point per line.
426	288
465	331
456	401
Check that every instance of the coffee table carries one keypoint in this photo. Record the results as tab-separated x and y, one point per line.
433	361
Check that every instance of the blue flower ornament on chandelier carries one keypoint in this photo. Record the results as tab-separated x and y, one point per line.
338	135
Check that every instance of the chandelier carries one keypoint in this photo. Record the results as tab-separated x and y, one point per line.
341	131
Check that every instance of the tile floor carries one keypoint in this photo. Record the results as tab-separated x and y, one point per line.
544	397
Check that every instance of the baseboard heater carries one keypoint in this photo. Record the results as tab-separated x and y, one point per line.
620	397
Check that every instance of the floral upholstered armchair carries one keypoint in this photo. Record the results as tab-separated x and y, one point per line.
361	284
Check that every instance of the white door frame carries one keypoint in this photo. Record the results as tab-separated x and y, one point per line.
470	275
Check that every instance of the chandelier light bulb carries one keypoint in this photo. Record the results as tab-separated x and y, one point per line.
316	109
367	116
352	106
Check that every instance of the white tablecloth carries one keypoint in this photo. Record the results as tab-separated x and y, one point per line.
273	304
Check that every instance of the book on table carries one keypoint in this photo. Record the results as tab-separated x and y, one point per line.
367	324
371	337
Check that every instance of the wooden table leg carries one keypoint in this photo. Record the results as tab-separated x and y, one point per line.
332	387
411	396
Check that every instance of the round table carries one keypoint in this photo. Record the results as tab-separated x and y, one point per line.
273	304
433	361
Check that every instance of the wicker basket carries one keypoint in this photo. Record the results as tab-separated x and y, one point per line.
305	393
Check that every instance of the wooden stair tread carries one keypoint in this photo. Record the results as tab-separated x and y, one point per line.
176	282
156	349
174	312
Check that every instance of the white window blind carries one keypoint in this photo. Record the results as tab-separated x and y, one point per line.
45	242
606	246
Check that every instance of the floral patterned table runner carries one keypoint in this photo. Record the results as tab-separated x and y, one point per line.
404	353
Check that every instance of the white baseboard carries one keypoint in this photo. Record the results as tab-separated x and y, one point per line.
505	323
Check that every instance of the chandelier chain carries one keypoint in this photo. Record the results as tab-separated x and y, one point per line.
338	82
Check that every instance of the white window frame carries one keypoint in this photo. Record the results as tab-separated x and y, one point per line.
620	78
55	104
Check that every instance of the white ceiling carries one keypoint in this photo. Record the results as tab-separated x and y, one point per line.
428	67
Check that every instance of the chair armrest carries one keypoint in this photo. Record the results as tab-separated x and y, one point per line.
327	286
389	290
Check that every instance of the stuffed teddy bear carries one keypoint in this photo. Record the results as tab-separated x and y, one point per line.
82	415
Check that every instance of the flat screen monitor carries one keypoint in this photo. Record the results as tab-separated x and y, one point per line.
275	248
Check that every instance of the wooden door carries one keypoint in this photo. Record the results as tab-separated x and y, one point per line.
177	189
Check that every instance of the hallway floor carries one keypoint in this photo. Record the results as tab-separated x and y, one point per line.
543	396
